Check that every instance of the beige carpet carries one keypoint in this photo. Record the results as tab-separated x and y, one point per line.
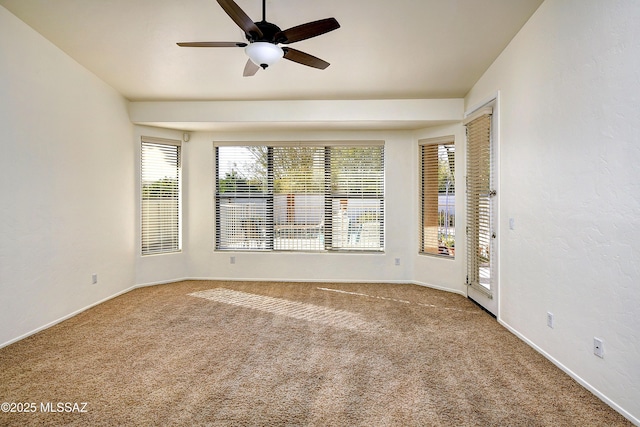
252	353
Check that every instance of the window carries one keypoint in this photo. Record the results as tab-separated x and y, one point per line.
438	207
299	197
160	195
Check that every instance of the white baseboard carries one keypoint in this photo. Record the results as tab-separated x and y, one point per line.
162	282
439	288
573	375
400	282
236	279
63	318
289	279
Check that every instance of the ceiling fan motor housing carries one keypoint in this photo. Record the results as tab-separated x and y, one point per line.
269	32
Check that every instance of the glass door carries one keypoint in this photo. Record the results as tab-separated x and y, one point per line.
482	199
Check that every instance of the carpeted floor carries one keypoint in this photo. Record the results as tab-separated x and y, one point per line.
266	353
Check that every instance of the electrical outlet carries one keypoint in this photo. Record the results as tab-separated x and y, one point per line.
94	279
598	347
232	260
550	319
397	261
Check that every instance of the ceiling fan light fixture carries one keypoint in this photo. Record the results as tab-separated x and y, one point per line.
264	54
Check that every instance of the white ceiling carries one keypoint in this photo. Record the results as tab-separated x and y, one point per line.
400	49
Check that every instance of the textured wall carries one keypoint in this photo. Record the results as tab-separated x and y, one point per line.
67	208
399	240
569	90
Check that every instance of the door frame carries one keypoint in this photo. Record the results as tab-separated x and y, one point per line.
491	304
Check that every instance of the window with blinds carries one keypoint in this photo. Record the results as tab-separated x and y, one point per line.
355	201
479	203
311	197
437	195
298	198
160	196
244	197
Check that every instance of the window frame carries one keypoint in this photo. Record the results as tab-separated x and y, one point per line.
175	215
328	196
446	252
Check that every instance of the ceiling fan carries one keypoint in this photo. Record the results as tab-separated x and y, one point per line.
264	38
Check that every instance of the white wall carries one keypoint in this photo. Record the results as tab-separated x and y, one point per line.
67	207
161	268
401	233
569	90
199	260
418	112
400	241
433	271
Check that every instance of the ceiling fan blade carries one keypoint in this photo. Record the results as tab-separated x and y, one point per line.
241	19
304	58
250	69
306	31
211	44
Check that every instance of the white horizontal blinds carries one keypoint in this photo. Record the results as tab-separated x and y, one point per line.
244	199
479	193
356	197
160	196
298	204
437	198
300	197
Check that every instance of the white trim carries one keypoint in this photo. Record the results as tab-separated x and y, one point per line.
497	146
446	140
156	140
155	217
438	288
485	111
437	140
490	105
573	375
301	280
163	282
484	102
331	143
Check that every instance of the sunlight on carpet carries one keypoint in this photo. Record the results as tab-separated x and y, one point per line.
294	309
